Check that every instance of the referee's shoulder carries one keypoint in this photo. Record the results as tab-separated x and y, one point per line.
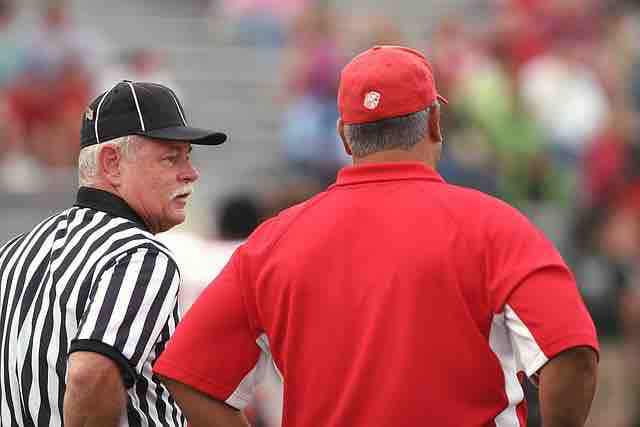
142	241
40	227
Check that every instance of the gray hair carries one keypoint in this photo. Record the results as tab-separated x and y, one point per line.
88	158
397	132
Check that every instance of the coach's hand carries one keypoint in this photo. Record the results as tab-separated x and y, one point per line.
95	395
567	387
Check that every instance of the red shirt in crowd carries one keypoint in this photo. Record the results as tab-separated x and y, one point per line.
391	299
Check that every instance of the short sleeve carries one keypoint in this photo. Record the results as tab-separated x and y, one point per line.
515	249
214	349
532	289
544	316
128	308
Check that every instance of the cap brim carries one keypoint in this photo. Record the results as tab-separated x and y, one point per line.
187	134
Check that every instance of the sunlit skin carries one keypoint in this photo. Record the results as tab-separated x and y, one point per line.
156	182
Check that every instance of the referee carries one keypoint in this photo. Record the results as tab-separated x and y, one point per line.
89	296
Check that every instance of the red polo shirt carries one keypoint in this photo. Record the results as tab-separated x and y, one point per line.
391	299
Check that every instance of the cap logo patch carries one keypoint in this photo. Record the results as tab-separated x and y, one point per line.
371	100
88	114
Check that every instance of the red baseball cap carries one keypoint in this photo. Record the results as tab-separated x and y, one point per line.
385	82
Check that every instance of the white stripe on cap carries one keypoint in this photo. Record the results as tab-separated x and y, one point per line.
98	109
178	105
135	98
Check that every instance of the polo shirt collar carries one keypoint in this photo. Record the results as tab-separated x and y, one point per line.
392	171
104	201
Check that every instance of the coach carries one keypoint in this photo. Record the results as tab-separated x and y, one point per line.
393	298
89	296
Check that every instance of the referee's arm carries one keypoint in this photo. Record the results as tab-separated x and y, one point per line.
129	306
95	394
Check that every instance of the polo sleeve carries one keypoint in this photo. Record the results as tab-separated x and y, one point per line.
533	290
544	316
214	349
129	306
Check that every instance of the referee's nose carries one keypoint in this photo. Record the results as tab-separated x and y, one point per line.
189	172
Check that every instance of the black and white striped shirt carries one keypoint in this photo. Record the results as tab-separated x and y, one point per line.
91	278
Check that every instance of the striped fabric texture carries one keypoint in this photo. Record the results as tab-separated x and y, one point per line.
85	279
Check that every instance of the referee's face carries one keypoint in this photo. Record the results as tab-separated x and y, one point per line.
158	181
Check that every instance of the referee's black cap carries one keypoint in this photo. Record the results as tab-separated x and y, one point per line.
146	109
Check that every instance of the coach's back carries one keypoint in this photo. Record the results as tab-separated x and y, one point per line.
384	301
393	298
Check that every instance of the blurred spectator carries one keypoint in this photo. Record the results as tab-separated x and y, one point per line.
635	85
9	63
256	22
239	216
142	64
47	112
470	160
572	21
630	315
57	41
606	163
487	96
47	95
9	44
566	99
608	244
373	30
311	143
519	35
201	258
454	53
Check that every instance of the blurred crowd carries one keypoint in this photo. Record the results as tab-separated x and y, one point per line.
544	113
49	71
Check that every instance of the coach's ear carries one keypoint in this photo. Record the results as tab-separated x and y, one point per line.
345	144
109	159
435	132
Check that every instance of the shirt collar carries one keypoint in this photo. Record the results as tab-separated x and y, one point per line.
392	171
104	201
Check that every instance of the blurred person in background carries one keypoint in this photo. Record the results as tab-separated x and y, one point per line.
349	299
57	67
9	44
144	64
374	29
607	246
256	22
310	144
201	258
90	296
630	315
49	135
58	37
580	103
9	65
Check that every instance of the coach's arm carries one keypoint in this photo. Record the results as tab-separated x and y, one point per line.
95	394
202	410
567	387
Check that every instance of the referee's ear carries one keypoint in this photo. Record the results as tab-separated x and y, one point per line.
109	163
